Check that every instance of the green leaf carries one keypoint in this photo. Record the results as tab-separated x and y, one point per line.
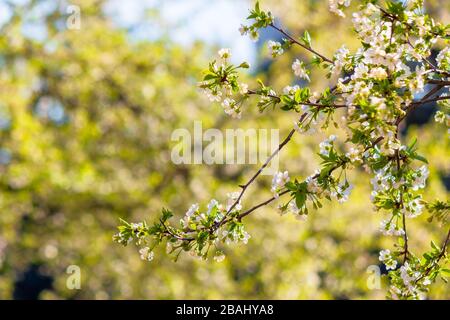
420	158
257	9
427	256
124	222
306	38
434	246
446	271
166	214
300	199
291	186
244	65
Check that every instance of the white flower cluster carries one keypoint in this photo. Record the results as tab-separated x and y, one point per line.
336	6
230	107
387	54
387	259
300	70
443	59
215	211
225	53
224	90
146	254
290	90
340	61
232	197
342	192
356	154
327	145
236	235
382	181
390	228
385	76
275	48
311	183
219	256
292	208
278	182
419	178
413	207
409	276
440	117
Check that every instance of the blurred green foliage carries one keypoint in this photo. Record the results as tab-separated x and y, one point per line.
86	120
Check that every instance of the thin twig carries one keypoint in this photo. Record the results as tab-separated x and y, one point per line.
301	44
432	100
255	92
443	82
392	16
422	101
253	178
436	261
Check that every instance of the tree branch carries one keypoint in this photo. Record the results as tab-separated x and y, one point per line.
301	44
436	261
255	92
253	178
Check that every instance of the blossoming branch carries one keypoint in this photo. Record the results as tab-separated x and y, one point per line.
378	85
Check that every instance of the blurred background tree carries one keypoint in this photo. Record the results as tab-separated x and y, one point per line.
86	118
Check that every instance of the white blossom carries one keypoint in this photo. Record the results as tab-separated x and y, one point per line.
340	60
288	90
335	5
386	258
389	228
224	53
275	48
136	226
327	145
299	69
231	199
378	73
443	58
439	117
420	177
192	210
343	192
243	88
243	30
146	254
219	256
412	208
213	96
230	108
278	182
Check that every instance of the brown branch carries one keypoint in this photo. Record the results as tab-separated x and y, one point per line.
422	101
442	82
301	44
405	238
392	16
401	205
436	261
227	218
245	213
253	178
432	100
255	92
